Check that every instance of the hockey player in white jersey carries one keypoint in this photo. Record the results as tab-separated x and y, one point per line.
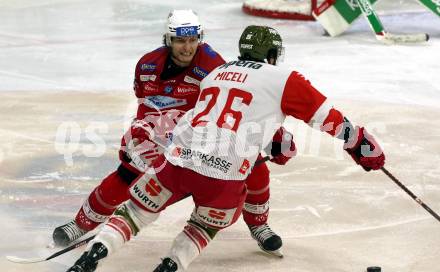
214	146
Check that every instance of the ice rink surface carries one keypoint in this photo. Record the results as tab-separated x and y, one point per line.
67	66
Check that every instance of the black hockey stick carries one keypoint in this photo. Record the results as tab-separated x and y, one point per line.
16	259
393	178
413	196
260	161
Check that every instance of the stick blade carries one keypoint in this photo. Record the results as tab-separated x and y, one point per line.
16	259
389	38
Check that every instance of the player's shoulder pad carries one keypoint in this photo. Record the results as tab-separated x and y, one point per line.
148	62
155	53
207	60
207	51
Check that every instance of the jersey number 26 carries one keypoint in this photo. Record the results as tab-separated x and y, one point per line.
228	118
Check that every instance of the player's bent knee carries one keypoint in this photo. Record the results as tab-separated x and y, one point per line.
142	217
215	218
149	193
135	217
210	232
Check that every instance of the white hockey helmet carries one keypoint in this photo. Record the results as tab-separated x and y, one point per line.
182	23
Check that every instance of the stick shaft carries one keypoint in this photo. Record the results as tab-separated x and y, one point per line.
260	161
371	16
413	196
69	248
381	34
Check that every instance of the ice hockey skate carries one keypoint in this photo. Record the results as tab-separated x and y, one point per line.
267	240
88	262
167	265
67	233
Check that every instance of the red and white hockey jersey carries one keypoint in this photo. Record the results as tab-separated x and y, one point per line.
163	101
241	105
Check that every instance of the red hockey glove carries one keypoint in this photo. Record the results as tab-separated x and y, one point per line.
364	150
142	134
137	148
283	147
138	132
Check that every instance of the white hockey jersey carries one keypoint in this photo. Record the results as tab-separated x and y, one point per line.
241	105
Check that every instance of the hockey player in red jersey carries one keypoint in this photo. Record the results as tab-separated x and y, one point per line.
214	146
167	85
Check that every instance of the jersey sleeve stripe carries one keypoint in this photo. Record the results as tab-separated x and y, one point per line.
320	115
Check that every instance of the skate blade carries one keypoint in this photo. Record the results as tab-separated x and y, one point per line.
277	253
